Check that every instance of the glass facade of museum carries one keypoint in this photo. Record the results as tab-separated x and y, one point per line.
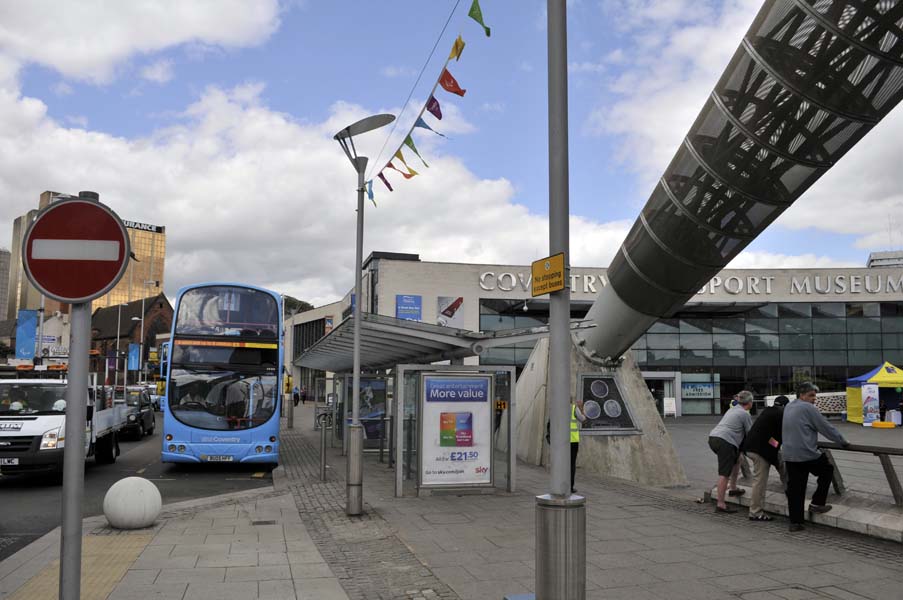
722	349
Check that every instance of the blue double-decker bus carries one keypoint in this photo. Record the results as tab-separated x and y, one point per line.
223	375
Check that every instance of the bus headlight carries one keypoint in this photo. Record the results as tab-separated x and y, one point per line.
258	449
168	437
52	439
268	449
181	448
272	438
171	448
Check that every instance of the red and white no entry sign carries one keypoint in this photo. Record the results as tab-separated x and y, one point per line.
76	250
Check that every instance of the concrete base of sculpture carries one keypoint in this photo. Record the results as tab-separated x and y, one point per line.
132	503
645	455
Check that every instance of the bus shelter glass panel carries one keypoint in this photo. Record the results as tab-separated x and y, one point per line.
375	394
408	414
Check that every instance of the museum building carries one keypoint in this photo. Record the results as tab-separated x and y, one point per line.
759	329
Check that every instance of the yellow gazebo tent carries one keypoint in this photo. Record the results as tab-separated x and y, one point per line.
885	376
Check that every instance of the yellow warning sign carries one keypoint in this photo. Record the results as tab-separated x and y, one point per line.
548	274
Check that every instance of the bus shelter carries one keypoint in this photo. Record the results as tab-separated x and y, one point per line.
423	415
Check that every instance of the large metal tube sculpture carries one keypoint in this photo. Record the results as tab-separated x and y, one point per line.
809	80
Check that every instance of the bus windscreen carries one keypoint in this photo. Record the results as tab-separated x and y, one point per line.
227	311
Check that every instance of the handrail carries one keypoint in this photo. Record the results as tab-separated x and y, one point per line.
882	452
862	448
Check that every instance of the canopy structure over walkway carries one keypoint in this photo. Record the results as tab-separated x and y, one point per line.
809	80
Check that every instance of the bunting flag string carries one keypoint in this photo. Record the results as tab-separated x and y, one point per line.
457	49
432	105
409	142
407	175
476	14
400	156
448	82
384	180
422	124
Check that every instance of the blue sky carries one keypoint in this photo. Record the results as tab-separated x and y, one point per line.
217	121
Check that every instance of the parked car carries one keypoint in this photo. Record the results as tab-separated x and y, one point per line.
140	419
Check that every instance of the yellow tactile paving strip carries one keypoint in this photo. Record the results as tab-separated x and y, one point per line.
105	559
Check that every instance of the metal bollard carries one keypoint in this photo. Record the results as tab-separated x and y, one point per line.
560	547
323	452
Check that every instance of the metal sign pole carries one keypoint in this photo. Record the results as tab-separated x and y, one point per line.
74	453
560	515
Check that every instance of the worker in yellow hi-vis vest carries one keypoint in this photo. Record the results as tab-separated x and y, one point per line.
577	417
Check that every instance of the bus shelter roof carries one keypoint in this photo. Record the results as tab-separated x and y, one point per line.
389	341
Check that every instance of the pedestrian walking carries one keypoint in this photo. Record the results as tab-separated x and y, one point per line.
303	395
762	446
577	417
296	395
725	441
801	425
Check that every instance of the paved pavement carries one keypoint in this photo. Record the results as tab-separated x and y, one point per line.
295	542
36	500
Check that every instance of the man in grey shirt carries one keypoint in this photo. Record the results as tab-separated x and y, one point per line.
725	441
801	426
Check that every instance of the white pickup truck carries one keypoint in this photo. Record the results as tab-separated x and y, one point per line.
33	426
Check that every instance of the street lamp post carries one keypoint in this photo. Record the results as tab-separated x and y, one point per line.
354	504
118	335
141	340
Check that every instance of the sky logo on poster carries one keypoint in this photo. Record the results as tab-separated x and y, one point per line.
447	389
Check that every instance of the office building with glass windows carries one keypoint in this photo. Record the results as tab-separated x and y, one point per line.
143	276
760	329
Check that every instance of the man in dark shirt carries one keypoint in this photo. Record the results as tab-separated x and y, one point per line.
761	446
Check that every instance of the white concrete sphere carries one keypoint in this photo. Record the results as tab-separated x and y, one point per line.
132	503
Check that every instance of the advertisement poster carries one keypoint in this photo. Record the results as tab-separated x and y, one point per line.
870	403
134	362
372	408
449	313
408	307
456	442
26	333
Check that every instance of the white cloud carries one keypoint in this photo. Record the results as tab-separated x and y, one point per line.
392	71
250	194
61	88
158	72
585	67
493	107
678	49
89	39
78	120
525	66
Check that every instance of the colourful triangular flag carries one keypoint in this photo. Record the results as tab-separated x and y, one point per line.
410	144
400	156
477	15
385	181
421	123
449	84
432	105
411	172
457	49
370	192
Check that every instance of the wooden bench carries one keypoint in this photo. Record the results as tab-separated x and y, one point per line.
882	452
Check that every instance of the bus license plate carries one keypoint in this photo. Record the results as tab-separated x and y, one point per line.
9	461
219	458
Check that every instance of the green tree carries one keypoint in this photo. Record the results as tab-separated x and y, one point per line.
293	306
